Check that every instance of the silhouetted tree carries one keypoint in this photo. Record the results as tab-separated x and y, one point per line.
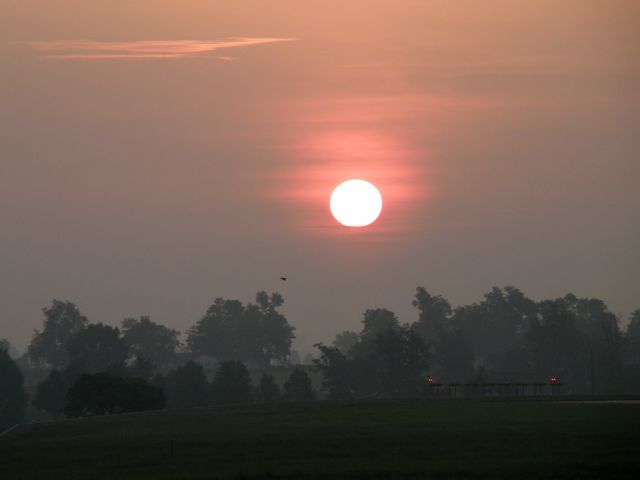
633	329
268	390
98	348
337	370
298	387
497	329
602	338
276	333
103	394
554	341
402	362
63	320
434	312
510	313
187	386
388	360
631	354
249	337
474	321
214	334
231	384
150	340
393	363
632	339
13	399
377	321
344	341
257	333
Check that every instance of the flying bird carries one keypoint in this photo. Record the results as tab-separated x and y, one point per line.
284	279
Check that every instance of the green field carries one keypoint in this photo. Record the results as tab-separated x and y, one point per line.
494	438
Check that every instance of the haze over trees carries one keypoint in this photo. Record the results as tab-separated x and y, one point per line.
345	340
388	360
241	353
63	320
97	348
255	333
151	341
514	338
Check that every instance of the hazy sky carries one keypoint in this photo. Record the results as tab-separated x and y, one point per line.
155	155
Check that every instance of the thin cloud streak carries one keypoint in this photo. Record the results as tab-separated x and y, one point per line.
154	49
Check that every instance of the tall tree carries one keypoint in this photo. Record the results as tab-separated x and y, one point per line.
98	348
394	362
510	312
600	344
149	340
255	333
403	361
337	370
474	321
554	341
377	321
631	354
633	329
62	321
214	334
276	333
13	399
434	312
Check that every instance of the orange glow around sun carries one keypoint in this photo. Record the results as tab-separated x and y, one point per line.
334	139
326	159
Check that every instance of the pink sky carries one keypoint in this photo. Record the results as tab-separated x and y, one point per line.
504	136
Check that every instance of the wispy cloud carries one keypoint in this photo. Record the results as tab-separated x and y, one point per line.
154	49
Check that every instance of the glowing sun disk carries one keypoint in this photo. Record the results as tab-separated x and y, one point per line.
355	203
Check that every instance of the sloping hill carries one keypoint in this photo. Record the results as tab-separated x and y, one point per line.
403	439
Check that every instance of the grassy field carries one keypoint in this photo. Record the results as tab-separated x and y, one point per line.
459	439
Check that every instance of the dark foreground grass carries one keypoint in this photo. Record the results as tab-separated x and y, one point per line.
456	439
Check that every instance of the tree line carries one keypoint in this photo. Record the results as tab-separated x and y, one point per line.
89	369
506	337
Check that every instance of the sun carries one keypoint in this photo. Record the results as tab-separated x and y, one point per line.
356	203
